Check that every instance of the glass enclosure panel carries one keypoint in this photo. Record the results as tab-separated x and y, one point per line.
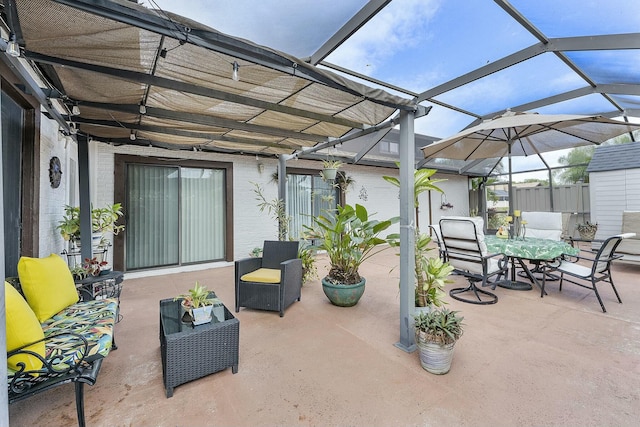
152	223
202	214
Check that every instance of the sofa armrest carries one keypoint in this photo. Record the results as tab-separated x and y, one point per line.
66	361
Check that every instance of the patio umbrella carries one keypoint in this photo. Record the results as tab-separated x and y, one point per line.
524	134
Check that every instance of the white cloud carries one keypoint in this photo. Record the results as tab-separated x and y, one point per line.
403	23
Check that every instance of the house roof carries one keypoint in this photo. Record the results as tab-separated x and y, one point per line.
615	157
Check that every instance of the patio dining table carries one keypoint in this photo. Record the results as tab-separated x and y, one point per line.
528	248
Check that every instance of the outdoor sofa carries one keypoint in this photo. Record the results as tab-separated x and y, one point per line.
53	338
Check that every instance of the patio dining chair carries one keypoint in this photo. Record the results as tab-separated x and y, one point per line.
437	239
588	271
271	282
466	250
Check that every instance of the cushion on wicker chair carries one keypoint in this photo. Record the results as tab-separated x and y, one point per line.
47	285
22	328
263	275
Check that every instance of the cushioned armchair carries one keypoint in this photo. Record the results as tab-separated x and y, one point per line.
272	282
466	250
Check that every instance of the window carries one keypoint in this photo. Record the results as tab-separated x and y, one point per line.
175	215
387	147
308	196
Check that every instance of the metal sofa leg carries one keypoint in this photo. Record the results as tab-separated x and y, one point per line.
80	402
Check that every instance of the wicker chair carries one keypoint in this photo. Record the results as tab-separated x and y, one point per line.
272	282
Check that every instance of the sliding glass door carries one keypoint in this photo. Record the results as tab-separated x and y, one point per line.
176	215
307	197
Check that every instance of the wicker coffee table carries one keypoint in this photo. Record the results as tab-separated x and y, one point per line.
191	352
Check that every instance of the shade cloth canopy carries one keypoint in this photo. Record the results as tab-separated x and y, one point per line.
145	77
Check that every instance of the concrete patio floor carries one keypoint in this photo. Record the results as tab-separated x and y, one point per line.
524	361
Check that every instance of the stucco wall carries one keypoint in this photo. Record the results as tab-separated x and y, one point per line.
251	227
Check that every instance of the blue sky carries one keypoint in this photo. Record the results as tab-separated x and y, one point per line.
418	44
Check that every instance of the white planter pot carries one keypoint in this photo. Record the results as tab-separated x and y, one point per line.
435	358
201	315
329	174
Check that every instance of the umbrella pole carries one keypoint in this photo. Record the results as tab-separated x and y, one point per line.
510	184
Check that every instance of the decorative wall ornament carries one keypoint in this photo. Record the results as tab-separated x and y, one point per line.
55	172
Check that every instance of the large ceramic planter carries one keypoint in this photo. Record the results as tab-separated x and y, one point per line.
343	295
435	358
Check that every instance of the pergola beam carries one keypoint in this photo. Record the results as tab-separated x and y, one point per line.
151	80
201	119
363	16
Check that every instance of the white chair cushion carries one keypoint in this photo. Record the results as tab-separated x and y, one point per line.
543	225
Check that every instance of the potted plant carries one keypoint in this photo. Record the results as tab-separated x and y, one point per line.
587	230
103	220
436	334
93	266
330	169
196	305
431	273
306	253
349	237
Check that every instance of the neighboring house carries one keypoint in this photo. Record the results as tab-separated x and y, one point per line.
614	177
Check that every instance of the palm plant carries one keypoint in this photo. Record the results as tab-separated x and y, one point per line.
422	182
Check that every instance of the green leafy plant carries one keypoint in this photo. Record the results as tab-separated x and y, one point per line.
102	220
255	252
276	208
349	238
431	273
440	326
198	296
332	164
422	182
307	254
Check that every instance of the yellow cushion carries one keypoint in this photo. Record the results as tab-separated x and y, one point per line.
22	328
47	284
262	275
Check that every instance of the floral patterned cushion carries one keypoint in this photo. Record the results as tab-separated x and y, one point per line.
93	320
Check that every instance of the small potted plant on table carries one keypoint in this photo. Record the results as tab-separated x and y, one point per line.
197	304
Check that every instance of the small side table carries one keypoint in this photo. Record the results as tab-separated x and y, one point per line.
108	285
191	352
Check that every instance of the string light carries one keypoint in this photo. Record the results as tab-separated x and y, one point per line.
234	75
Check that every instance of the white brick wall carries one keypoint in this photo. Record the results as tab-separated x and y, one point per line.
251	227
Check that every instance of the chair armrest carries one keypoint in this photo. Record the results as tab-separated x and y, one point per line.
291	269
247	265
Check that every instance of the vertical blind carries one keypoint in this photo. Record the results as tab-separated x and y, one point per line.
307	197
175	215
202	218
